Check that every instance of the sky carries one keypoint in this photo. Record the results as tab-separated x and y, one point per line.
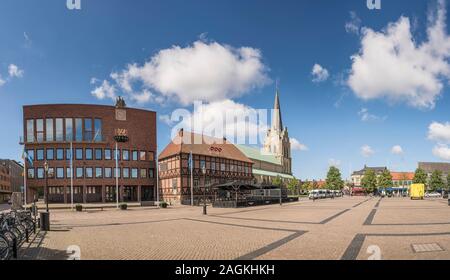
357	86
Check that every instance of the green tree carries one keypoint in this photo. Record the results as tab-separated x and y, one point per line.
369	181
385	179
420	177
334	179
278	182
448	182
436	181
292	186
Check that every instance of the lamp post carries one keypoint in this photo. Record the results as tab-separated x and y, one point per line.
46	184
204	190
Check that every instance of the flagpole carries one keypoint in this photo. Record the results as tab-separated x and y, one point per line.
25	174
71	175
117	177
157	180
191	163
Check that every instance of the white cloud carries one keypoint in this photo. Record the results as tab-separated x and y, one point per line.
397	150
442	151
334	162
2	82
367	151
392	65
319	73
105	90
166	119
14	71
297	146
205	71
366	116
439	132
354	25
141	98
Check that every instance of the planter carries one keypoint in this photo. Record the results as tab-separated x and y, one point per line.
79	207
123	206
163	204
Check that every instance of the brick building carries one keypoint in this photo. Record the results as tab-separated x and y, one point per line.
223	162
93	131
11	178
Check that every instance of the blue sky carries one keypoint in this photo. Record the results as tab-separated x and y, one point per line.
63	55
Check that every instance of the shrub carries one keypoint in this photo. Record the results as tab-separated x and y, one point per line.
163	204
123	206
79	207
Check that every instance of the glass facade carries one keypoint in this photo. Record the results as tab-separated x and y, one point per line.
98	137
49	130
59	129
69	130
78	130
40	130
30	131
88	130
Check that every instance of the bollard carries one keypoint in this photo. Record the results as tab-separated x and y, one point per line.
45	221
34	227
27	235
14	248
449	202
204	210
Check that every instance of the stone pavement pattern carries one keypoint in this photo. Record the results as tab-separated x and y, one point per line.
343	228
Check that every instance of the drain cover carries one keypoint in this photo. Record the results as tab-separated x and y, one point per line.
424	248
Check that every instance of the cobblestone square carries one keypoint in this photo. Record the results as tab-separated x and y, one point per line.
342	228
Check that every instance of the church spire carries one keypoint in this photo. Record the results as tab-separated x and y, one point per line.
277	122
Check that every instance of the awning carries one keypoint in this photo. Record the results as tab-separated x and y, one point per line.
272	174
236	185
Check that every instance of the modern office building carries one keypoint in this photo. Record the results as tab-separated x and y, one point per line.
11	178
93	132
222	161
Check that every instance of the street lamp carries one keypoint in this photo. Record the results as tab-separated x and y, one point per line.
204	190
46	184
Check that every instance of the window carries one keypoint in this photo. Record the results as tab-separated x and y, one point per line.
108	154
50	154
30	130
51	173
30	154
163	166
40	130
202	165
59	130
79	130
79	154
108	172
98	154
117	154
79	172
222	166
89	172
213	166
142	155
143	173
69	130
30	173
40	154
88	154
125	155
40	173
60	154
174	184
98	130
60	173
88	130
151	173
117	172
126	172
151	156
134	155
68	154
98	172
49	130
68	173
134	173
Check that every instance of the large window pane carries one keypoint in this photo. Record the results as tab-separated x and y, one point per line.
40	154
79	130
60	173
30	173
89	172
79	154
69	130
108	172
30	131
108	154
40	173
49	130
79	172
126	172
98	137
98	172
40	130
98	154
59	130
88	154
125	155
88	130
60	154
50	154
134	173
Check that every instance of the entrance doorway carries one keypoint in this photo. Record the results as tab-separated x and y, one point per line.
110	194
147	193
129	194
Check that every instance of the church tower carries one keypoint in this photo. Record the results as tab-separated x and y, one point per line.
277	139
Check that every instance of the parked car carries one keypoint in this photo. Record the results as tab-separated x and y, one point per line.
432	195
314	194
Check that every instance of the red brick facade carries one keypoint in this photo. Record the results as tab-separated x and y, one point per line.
48	132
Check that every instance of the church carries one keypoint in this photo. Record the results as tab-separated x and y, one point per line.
274	158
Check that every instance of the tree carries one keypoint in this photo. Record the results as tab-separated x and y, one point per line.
385	179
278	182
307	185
420	177
369	181
448	182
292	186
334	179
436	181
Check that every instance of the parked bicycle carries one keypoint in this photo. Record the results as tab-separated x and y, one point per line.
15	228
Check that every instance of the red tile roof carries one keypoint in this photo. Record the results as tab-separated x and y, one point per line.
402	176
